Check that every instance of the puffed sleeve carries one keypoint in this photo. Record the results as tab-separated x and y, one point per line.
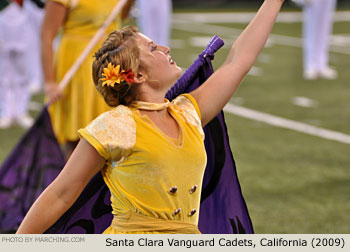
189	109
112	134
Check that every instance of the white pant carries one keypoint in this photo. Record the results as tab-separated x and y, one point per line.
317	28
35	69
14	86
155	19
14	65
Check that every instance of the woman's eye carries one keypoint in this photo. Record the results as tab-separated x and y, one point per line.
153	48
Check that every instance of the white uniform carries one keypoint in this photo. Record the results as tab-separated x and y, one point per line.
154	19
317	29
14	68
36	15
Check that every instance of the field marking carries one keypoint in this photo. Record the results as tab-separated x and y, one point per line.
180	23
287	123
336	44
245	17
305	102
255	71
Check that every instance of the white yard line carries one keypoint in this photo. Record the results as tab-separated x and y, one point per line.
245	17
198	23
233	33
287	124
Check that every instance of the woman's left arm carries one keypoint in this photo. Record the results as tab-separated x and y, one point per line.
215	92
60	195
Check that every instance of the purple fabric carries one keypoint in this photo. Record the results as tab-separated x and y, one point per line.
223	209
29	169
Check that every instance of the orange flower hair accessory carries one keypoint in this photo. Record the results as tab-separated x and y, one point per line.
113	75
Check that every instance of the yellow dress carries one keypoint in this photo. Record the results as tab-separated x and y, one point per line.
81	103
152	178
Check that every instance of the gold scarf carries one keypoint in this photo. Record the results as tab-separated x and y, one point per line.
150	105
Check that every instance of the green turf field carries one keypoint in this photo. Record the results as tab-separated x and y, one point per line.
292	182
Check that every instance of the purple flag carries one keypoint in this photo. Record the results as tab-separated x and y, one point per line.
31	166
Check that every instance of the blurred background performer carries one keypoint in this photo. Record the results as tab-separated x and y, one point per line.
317	29
79	103
15	32
154	19
35	10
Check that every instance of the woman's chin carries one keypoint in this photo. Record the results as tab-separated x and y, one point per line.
175	79
178	73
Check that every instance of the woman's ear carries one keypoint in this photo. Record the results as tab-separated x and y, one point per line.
139	78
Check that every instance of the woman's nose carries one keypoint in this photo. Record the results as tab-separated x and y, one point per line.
165	49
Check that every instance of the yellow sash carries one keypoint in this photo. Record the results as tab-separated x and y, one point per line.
134	222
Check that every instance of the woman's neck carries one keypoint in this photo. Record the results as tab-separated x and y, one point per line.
154	98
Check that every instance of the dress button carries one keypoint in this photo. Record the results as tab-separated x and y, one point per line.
173	190
192	212
176	211
193	189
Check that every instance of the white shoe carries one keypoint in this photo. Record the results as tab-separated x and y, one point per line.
5	123
25	121
328	73
310	74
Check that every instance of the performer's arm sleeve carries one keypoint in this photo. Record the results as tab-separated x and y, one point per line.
194	104
112	134
190	110
84	133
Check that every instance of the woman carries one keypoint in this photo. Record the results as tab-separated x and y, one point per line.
79	103
150	151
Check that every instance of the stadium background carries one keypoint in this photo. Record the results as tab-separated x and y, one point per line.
293	182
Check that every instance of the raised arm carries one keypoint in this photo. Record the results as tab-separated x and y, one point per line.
214	94
55	14
60	195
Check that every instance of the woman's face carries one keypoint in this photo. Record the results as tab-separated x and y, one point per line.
161	70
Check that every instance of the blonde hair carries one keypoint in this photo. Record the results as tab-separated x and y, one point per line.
120	48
